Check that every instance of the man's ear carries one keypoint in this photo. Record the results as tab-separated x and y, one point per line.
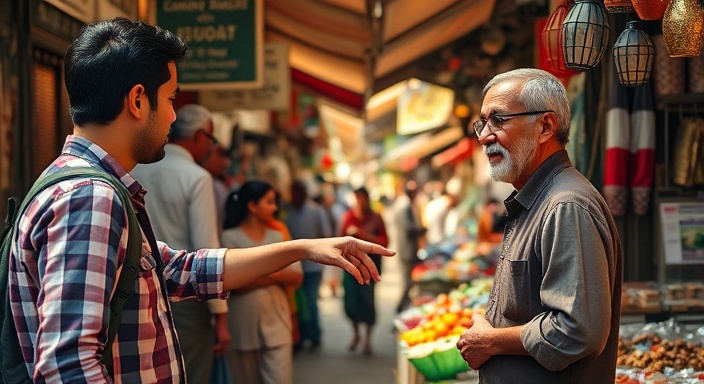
548	124
134	100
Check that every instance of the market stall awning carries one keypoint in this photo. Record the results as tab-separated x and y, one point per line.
353	43
420	146
455	154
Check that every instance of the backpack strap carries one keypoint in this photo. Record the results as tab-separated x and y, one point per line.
124	287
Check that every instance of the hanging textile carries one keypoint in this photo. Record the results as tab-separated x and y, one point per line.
578	146
618	142
642	147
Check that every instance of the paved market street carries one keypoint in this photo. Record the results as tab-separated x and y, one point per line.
333	363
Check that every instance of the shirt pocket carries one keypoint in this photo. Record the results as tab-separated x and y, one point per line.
516	293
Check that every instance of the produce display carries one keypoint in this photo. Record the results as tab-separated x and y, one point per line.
429	332
660	353
449	261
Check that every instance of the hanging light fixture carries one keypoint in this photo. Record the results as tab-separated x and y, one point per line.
633	54
682	27
650	9
552	37
585	35
618	6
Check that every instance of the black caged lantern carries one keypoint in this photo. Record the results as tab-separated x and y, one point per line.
585	35
633	54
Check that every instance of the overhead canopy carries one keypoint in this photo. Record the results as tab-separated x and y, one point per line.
420	146
352	45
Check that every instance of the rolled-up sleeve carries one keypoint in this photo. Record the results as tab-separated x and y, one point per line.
196	274
575	289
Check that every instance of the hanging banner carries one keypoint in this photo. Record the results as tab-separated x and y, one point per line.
423	106
275	94
225	38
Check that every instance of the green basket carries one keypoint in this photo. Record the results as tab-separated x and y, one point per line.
442	364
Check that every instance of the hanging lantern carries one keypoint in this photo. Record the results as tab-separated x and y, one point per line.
585	35
618	6
633	54
682	27
650	9
552	37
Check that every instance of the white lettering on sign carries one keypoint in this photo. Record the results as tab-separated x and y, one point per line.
217	53
183	6
228	5
208	33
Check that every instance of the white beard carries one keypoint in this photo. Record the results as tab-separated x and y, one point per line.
510	167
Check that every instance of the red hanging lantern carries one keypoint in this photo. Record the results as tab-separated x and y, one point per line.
650	9
552	38
618	6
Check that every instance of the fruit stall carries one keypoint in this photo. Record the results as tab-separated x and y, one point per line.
449	264
428	333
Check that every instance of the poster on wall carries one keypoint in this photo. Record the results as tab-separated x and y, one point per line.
275	94
683	232
225	40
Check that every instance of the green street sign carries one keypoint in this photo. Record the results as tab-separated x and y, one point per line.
225	38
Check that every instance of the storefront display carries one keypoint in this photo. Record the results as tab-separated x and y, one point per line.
662	353
428	333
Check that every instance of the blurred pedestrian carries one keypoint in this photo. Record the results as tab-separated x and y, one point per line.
409	237
363	223
334	210
307	220
262	337
218	163
182	209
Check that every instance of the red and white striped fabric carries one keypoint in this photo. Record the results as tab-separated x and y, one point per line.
642	148
618	152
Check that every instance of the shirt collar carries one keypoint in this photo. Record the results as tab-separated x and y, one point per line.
94	154
177	150
538	181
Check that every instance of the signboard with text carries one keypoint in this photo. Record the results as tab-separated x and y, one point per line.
225	38
275	94
682	226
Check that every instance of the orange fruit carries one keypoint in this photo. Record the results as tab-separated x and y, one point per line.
450	318
466	322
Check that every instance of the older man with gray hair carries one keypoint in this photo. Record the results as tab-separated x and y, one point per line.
181	205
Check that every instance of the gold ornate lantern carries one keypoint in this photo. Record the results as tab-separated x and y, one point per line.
682	27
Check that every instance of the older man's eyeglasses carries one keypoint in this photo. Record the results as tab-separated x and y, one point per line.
213	140
495	122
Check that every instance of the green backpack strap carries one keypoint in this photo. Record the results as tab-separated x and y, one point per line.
124	287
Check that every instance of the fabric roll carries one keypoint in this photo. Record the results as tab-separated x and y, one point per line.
618	152
642	148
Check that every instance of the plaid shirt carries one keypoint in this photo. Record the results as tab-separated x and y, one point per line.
70	244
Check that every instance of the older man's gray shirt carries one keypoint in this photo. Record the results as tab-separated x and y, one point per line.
560	275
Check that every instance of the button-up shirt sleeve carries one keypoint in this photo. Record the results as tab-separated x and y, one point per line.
196	274
575	288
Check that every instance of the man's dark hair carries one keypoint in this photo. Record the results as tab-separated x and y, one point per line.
110	57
